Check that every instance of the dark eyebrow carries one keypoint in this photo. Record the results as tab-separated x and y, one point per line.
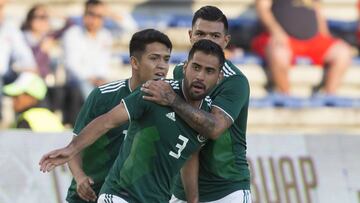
212	33
159	55
208	67
194	63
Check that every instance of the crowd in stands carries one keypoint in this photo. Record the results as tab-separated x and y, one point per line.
76	58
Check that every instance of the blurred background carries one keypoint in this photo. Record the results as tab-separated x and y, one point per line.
303	143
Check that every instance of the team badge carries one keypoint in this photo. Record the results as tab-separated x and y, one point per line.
201	138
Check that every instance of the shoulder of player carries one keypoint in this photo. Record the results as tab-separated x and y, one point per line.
113	88
231	69
180	65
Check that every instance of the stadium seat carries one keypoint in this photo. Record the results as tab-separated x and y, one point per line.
180	21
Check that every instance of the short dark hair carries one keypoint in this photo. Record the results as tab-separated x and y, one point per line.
208	47
89	3
30	16
211	13
142	38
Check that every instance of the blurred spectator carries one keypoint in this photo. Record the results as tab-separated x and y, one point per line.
15	55
36	29
87	54
87	49
28	92
298	28
358	27
42	42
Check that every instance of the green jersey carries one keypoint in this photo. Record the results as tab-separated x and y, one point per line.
156	146
223	167
98	158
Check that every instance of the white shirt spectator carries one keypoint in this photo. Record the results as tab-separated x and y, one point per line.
87	56
13	47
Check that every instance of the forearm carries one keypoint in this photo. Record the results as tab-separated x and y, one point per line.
202	122
93	131
189	177
75	165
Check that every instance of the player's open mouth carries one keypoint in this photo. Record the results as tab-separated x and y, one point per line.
160	75
198	87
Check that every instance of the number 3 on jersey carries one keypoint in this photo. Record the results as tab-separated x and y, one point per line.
180	147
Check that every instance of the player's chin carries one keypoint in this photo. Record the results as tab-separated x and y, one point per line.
197	95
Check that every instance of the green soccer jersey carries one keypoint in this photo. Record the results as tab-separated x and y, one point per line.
157	145
98	158
223	168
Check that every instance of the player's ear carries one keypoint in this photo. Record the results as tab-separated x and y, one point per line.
227	39
134	63
185	66
190	35
221	77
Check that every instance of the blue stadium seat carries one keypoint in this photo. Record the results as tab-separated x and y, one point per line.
345	26
124	57
261	103
285	101
108	23
152	21
280	100
336	101
178	57
356	61
242	22
248	58
345	30
180	21
303	60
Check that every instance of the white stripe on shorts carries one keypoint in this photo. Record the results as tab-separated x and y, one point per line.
239	196
109	198
176	200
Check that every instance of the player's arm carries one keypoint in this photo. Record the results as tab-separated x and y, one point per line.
211	124
86	115
189	177
83	182
95	129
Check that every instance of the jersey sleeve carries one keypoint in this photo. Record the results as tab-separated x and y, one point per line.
232	95
135	105
178	73
86	115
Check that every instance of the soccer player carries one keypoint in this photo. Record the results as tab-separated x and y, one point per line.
158	142
149	53
222	168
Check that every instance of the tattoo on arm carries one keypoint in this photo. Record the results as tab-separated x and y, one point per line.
208	124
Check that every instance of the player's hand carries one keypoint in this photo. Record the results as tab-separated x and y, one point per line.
55	158
83	188
159	92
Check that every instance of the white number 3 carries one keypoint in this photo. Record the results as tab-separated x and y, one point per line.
180	147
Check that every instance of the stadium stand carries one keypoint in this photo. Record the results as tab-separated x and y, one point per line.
302	109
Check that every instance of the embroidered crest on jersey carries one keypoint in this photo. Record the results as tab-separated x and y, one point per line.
201	138
171	115
208	101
